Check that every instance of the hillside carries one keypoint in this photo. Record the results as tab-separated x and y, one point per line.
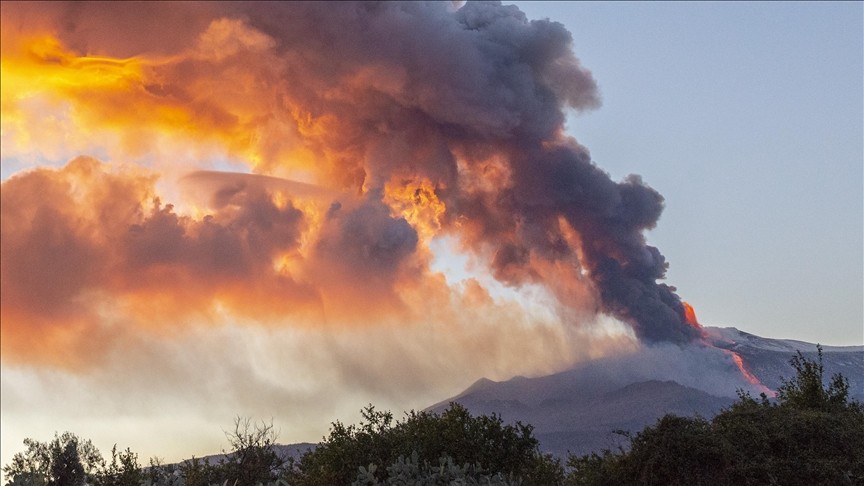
579	410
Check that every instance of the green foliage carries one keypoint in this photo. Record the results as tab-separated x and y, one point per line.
64	461
253	460
811	435
123	470
163	474
446	472
69	461
806	391
195	472
454	435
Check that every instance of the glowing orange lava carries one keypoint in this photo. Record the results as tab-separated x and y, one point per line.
690	315
740	364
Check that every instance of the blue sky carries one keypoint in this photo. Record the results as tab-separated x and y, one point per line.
747	117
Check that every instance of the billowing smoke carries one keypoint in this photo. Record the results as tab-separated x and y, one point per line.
369	143
418	92
414	120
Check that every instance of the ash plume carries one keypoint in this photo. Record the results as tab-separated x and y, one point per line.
437	122
458	87
446	91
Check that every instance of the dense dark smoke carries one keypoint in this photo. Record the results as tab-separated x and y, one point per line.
471	103
610	219
486	81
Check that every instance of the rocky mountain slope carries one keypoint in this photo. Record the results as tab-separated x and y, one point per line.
580	410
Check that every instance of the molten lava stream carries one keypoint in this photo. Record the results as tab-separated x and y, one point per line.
740	363
690	317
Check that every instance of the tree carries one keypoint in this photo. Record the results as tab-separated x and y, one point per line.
64	461
456	437
811	435
412	471
123	470
806	390
195	472
253	458
163	474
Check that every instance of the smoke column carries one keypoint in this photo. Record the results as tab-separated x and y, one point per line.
450	92
435	121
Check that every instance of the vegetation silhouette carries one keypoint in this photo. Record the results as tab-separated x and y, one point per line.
811	434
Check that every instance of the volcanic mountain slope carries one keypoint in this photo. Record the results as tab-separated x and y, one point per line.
768	359
580	409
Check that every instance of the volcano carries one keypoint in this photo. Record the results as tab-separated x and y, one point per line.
581	409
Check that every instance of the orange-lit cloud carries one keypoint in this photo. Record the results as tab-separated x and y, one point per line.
89	252
130	104
454	130
134	266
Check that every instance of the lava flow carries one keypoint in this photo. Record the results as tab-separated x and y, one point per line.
690	317
740	363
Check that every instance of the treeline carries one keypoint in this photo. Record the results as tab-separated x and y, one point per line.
812	434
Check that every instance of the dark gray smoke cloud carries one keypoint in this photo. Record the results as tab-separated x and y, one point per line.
480	81
472	101
367	245
485	80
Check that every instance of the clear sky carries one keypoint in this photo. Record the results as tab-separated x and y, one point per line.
450	230
747	117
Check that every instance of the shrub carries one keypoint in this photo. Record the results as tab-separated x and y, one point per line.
811	435
377	443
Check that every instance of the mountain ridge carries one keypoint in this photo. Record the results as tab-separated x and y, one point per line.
579	409
582	409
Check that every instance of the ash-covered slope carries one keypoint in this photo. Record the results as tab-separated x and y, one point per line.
578	410
768	359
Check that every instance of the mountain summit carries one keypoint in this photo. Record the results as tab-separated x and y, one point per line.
579	410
